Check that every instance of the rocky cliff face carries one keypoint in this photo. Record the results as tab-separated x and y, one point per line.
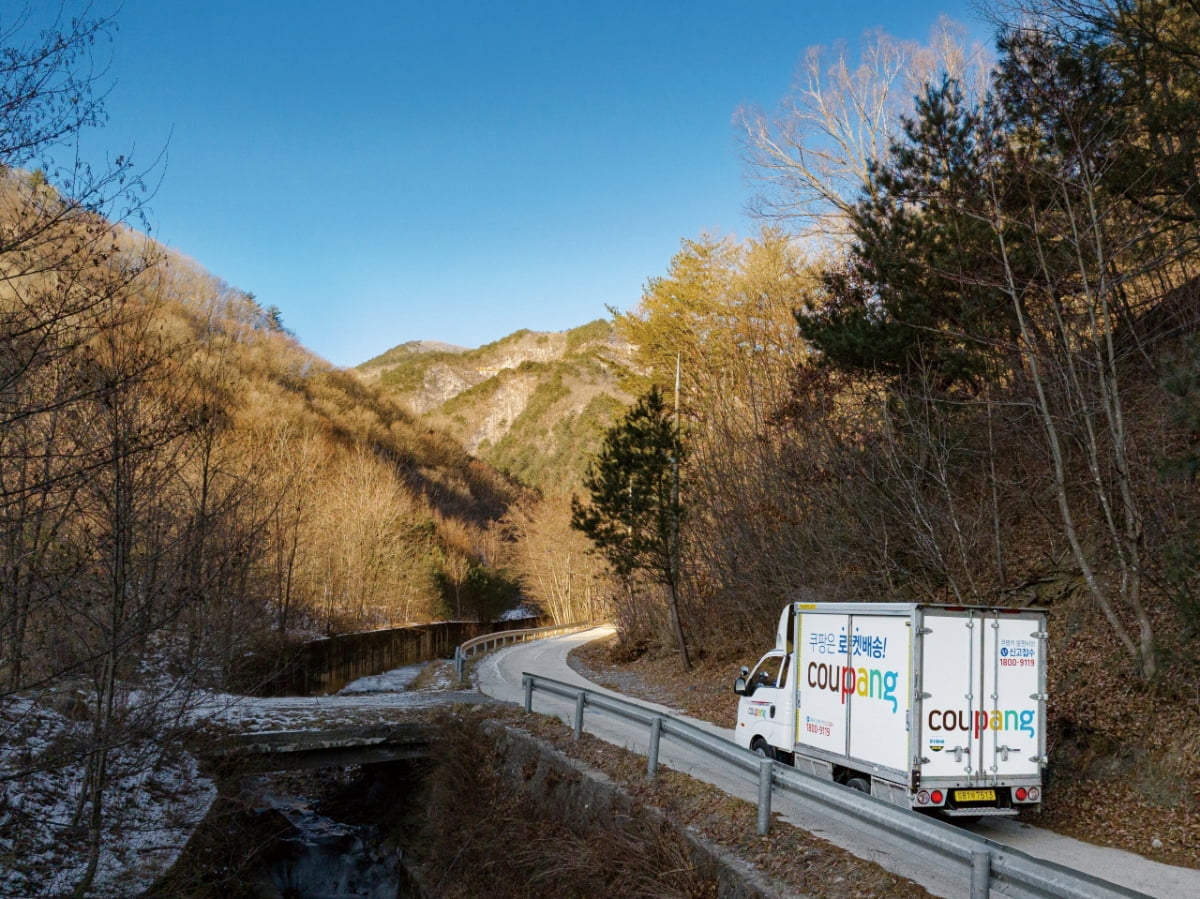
441	383
542	390
449	375
505	407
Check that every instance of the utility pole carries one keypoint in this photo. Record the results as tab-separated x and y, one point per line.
673	564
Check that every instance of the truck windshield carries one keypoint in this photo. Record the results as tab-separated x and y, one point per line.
771	672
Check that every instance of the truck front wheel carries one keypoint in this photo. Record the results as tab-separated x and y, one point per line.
761	747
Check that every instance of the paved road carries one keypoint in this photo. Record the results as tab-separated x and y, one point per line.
499	676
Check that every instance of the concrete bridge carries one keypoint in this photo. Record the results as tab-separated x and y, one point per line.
300	750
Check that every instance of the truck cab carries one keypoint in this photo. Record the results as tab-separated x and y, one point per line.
764	710
767	704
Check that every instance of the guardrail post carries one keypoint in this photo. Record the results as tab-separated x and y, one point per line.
652	754
765	770
580	699
981	873
458	664
527	683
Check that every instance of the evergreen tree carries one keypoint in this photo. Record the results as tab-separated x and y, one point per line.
918	292
634	513
1137	66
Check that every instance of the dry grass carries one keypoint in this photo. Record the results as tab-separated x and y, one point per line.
1125	758
511	840
485	835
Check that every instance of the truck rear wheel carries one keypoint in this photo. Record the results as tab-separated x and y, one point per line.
859	783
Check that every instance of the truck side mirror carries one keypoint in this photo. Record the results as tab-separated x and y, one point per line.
739	686
745	672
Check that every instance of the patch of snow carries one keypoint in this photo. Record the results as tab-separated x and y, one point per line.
378	699
398	680
151	808
156	795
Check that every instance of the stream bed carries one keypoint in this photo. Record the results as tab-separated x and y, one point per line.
323	834
326	834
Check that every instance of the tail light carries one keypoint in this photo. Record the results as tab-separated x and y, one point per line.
1027	794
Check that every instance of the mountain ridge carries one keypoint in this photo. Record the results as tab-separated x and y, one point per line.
535	404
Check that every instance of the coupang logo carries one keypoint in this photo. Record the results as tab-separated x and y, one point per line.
978	722
869	683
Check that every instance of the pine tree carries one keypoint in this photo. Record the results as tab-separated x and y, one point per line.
634	513
918	295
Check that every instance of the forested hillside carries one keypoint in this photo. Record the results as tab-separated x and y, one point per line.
182	484
163	429
960	366
532	404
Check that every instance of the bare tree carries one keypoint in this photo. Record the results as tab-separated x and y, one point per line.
1088	246
812	158
57	235
359	537
131	526
296	458
553	561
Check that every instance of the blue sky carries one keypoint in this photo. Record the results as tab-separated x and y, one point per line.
395	171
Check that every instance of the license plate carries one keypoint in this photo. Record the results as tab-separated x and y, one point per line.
974	795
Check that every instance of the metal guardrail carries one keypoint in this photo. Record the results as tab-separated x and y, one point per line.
986	864
464	650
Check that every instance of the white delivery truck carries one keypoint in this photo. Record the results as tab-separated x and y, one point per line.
934	708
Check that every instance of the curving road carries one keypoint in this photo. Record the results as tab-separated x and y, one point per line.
499	675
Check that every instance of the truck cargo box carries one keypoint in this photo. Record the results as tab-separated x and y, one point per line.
932	707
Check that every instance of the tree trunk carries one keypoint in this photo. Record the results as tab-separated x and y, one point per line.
677	627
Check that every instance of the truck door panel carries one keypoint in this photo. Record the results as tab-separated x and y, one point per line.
877	690
1011	663
951	649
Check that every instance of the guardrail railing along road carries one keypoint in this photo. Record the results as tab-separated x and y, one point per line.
501	638
986	864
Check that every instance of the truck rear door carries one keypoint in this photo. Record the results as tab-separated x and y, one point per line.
1012	665
950	648
980	717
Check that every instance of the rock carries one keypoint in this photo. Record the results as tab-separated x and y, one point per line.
1156	844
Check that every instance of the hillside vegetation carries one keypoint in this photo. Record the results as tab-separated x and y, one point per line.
533	404
536	406
961	366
